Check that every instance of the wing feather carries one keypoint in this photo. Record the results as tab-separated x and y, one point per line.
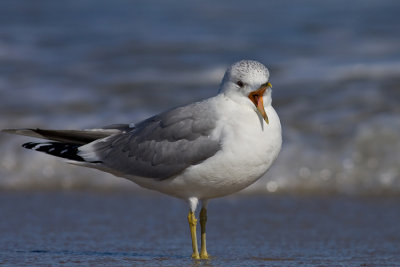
161	146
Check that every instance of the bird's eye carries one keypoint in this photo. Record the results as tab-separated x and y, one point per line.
240	83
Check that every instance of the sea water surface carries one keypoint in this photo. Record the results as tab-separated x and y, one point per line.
332	196
125	229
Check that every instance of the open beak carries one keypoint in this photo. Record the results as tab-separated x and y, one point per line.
257	98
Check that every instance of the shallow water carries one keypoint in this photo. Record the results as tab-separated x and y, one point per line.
94	228
335	69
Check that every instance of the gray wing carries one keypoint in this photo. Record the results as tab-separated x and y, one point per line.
161	146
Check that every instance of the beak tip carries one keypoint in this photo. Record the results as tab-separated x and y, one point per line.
266	119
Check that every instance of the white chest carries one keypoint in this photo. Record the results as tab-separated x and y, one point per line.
249	148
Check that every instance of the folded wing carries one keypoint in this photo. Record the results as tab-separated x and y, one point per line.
159	147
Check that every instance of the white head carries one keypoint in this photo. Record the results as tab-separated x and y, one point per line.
246	81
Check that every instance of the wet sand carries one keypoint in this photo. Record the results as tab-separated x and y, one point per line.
130	228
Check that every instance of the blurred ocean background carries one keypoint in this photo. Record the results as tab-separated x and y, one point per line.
335	71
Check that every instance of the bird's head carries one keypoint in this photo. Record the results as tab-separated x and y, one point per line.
246	81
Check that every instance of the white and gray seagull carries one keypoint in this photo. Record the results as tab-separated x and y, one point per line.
204	150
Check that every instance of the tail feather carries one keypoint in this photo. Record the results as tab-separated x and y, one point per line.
80	137
65	143
62	150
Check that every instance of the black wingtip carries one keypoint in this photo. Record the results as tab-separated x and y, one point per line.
62	150
29	145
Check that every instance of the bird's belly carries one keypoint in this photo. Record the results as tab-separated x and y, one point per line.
205	182
229	173
224	174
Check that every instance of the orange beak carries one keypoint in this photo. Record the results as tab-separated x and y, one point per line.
257	98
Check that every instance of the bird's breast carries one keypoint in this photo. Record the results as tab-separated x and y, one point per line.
248	148
250	144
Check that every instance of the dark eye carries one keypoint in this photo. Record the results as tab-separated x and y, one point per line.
240	83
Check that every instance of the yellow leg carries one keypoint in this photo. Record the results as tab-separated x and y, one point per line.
192	224
203	221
